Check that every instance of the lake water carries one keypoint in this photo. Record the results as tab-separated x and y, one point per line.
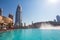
30	34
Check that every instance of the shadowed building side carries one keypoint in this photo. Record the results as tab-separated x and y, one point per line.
10	16
1	11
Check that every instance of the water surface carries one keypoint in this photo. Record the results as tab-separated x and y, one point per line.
30	34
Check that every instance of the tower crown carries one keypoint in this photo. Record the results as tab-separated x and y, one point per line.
19	8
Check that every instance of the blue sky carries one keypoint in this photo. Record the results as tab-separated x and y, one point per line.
32	10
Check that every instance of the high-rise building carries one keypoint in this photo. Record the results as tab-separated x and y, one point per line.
24	24
1	11
18	18
10	16
58	18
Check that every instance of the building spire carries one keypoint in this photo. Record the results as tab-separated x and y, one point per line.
19	7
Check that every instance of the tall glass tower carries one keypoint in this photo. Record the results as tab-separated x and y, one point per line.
18	18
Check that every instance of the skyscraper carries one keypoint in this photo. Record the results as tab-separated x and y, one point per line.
10	16
58	18
18	18
1	11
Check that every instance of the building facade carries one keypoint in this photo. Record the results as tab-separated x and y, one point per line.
18	17
5	22
58	18
10	16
